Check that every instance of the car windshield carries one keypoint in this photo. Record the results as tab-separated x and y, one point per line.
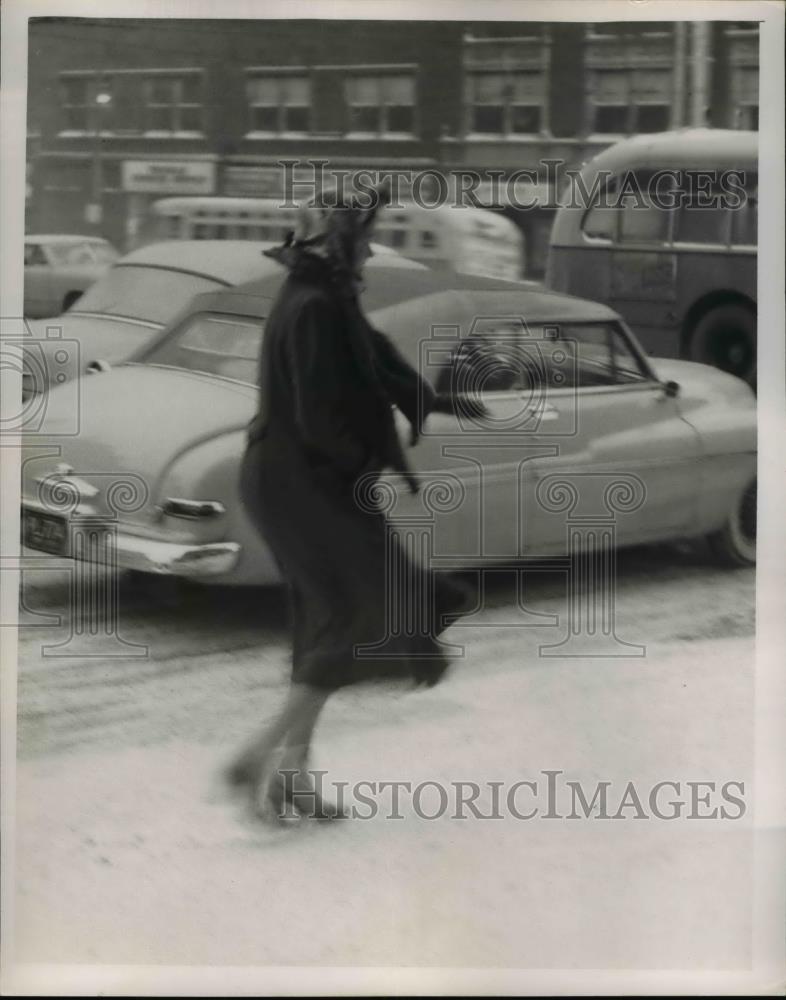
213	344
151	294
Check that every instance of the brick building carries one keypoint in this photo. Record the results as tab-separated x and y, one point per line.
121	112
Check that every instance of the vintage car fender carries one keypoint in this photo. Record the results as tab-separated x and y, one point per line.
722	409
210	471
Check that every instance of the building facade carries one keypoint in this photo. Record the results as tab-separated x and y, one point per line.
122	112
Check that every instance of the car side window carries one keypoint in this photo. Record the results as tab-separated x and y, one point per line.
507	356
489	360
213	344
596	354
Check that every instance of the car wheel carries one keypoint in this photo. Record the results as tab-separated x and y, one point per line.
161	590
735	543
70	299
725	337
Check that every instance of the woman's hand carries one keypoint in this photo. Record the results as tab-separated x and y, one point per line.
458	405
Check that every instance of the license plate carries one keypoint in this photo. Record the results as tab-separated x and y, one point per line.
46	532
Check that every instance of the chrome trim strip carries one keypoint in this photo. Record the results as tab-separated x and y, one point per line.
133	320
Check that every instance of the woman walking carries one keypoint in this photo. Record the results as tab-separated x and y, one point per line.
328	381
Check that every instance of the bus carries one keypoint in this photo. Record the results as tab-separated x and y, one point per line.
468	240
663	228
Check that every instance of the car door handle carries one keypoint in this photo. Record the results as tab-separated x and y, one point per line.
545	411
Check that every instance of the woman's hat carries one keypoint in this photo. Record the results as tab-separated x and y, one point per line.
332	232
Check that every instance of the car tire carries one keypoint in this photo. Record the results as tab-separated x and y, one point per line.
725	337
70	299
735	543
161	590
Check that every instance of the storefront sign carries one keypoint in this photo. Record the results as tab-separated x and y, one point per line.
169	176
261	182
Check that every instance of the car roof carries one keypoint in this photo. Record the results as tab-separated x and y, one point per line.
62	238
227	261
388	285
689	147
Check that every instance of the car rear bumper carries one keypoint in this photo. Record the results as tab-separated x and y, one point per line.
112	548
169	558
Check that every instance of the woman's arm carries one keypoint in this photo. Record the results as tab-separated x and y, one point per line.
413	394
406	388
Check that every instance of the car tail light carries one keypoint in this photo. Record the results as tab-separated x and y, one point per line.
193	510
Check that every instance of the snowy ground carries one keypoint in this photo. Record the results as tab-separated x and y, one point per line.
127	853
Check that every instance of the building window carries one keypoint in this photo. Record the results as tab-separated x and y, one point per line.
381	104
76	103
506	103
131	102
506	83
174	103
627	101
743	42
279	102
630	78
81	108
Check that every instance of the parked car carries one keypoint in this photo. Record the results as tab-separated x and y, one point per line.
59	268
133	301
573	404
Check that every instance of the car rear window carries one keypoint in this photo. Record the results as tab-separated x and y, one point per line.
152	294
213	344
72	254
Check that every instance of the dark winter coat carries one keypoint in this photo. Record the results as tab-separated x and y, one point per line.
327	381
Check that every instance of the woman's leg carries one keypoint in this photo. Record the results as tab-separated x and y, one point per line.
299	715
292	785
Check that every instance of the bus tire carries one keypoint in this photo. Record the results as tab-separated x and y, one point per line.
734	544
725	337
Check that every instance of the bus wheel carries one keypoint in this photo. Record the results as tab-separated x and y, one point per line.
735	543
725	337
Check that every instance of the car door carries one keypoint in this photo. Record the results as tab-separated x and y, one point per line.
631	457
38	282
478	471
